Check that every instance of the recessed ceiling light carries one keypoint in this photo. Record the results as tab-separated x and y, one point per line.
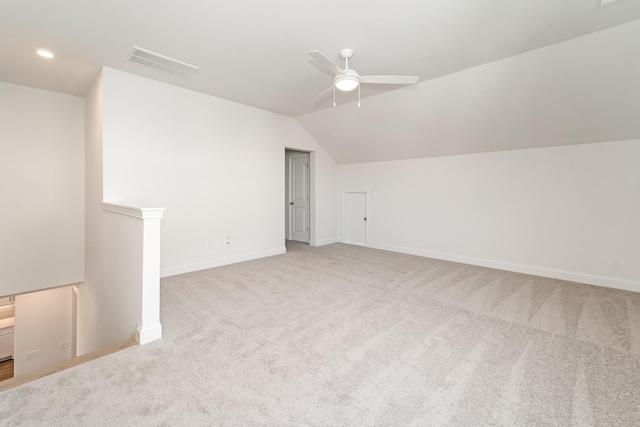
45	53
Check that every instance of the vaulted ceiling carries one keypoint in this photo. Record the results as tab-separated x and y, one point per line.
255	52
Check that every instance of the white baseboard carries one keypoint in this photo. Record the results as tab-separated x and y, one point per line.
147	334
173	271
322	242
608	282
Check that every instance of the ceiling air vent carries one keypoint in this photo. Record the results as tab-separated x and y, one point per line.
161	63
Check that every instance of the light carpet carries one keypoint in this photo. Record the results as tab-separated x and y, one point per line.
342	335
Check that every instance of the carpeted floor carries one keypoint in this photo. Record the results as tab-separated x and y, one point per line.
342	335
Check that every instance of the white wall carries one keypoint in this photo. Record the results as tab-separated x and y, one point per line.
216	166
96	299
42	187
43	323
323	202
568	212
110	299
114	281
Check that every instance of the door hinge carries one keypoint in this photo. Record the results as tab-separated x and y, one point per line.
307	228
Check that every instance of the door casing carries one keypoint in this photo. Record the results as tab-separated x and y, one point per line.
298	189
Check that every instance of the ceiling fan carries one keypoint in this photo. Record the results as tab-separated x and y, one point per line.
347	79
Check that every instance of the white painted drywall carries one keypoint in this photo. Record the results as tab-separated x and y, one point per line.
568	212
98	302
115	278
583	90
42	187
110	300
43	323
216	166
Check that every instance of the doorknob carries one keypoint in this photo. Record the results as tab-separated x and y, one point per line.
291	203
365	219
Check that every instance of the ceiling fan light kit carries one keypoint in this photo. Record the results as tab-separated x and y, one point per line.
347	79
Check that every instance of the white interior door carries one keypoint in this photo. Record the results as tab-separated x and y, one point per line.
299	198
355	218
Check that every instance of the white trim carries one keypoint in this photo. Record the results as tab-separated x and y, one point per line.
312	197
323	242
173	271
291	154
148	334
140	213
609	282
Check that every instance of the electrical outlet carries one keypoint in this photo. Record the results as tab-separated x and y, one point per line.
228	240
32	354
421	237
63	345
210	244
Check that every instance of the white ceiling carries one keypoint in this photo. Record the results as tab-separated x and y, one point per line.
254	52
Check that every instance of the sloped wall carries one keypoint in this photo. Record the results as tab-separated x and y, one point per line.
580	91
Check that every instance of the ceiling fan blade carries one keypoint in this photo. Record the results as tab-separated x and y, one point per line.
322	94
389	80
326	62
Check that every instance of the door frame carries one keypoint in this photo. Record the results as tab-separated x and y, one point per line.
368	212
311	191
